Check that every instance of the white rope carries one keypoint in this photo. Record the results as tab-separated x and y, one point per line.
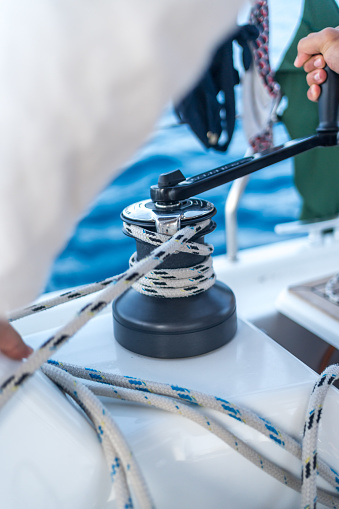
176	283
81	291
121	462
310	460
202	272
173	283
156	239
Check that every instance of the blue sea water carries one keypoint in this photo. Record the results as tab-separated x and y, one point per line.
98	248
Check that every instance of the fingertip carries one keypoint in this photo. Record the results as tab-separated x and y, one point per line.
27	351
11	343
319	62
296	62
18	351
313	93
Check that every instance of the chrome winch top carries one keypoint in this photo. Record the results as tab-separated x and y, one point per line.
168	219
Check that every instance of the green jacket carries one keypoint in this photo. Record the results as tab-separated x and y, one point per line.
317	171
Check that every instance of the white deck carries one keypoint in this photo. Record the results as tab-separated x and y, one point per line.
261	274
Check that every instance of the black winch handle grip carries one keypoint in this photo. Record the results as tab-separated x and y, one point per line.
328	103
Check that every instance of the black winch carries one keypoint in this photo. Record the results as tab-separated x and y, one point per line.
176	327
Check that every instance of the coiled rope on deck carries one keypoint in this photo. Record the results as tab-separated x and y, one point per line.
175	399
123	468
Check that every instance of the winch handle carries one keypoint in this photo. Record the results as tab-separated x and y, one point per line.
173	187
328	103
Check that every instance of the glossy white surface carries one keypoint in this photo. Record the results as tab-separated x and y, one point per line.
185	466
261	273
50	456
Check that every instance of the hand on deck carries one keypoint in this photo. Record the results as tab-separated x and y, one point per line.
314	52
11	343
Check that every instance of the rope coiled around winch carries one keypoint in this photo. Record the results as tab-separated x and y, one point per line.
173	283
118	455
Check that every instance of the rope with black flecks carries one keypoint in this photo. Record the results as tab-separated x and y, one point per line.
310	460
185	282
173	283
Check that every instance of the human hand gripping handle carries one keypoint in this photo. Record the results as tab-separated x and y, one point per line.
315	52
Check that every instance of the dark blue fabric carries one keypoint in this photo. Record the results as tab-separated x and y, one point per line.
210	106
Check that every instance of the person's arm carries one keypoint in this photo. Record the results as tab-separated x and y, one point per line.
314	52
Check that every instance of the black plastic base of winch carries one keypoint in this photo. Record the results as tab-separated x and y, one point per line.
175	328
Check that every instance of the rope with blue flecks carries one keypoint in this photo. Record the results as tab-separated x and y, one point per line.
118	455
178	400
120	463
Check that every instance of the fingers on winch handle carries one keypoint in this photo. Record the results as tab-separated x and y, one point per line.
329	102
